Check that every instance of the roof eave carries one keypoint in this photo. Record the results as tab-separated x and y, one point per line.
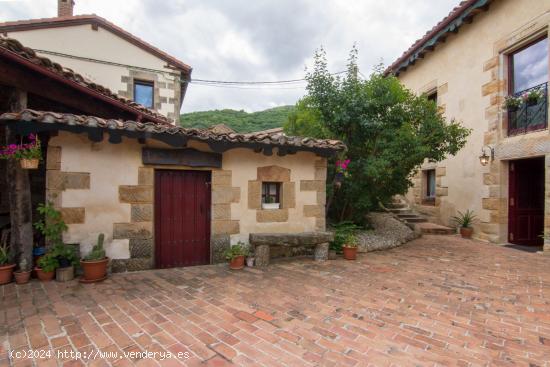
462	15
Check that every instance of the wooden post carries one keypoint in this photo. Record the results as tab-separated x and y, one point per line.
19	190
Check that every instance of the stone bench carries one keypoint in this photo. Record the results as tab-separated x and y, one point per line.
262	241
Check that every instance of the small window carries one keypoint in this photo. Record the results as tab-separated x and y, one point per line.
271	193
429	184
529	66
143	93
432	96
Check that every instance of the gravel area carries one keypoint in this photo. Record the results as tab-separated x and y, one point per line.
387	232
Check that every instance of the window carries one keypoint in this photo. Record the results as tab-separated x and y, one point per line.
271	193
429	184
528	88
529	66
432	96
144	92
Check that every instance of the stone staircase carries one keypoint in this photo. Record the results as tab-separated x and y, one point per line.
401	209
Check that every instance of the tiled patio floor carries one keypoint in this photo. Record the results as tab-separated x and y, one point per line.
435	301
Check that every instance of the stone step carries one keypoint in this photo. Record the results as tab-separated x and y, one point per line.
399	205
432	228
415	219
401	211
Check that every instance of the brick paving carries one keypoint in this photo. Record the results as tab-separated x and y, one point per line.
438	300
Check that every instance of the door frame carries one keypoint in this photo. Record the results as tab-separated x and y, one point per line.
209	212
511	173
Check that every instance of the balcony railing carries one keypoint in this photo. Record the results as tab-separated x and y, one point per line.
529	116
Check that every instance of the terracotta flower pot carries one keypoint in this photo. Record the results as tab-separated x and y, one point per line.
44	276
22	277
466	232
29	163
350	253
6	272
94	270
237	263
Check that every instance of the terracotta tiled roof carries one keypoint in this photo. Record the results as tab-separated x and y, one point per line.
254	139
221	129
23	25
461	14
16	48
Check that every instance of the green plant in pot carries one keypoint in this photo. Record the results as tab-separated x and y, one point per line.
465	221
45	271
52	227
235	255
342	231
6	264
350	247
95	263
23	274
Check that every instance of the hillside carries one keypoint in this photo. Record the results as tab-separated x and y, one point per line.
240	121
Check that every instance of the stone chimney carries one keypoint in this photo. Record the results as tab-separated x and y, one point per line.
65	8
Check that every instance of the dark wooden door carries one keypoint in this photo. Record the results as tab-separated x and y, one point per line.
182	218
526	202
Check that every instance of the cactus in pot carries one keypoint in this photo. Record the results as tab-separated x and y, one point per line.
95	263
23	274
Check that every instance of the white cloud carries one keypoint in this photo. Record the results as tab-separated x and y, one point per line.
258	40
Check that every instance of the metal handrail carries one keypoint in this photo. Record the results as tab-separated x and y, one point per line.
529	117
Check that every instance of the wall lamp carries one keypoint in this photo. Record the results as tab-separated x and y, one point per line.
485	159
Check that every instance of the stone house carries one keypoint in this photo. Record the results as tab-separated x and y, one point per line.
163	195
107	55
482	52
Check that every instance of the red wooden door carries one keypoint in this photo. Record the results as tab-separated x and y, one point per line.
526	202
182	218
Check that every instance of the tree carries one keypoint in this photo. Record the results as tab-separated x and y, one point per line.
305	120
389	132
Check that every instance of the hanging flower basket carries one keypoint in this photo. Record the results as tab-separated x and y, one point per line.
29	163
29	155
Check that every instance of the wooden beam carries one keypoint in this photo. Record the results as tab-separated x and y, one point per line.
19	189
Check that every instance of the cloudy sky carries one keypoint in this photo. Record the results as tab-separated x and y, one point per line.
258	40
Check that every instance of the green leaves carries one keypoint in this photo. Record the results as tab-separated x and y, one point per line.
388	130
51	225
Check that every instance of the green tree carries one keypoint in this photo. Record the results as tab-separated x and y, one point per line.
389	132
305	120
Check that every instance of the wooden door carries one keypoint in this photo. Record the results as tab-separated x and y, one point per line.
526	202
182	218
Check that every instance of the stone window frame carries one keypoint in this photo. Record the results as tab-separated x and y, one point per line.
504	59
272	173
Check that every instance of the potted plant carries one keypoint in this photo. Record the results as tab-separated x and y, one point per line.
30	155
350	247
532	97
22	275
270	204
512	103
236	254
95	263
464	222
6	266
67	260
45	271
341	231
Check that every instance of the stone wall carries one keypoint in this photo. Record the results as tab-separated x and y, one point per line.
471	89
318	184
114	195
